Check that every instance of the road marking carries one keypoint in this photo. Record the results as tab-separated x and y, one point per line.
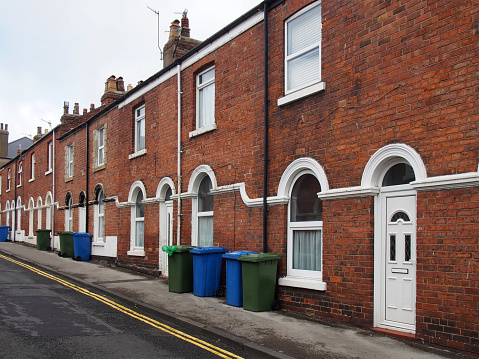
163	327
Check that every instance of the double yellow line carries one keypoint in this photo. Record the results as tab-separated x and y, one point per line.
165	328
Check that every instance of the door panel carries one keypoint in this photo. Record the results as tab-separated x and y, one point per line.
399	259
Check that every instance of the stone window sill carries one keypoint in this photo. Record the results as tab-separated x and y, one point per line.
202	130
137	154
299	282
300	94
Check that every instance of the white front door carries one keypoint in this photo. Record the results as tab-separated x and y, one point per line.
166	235
398	289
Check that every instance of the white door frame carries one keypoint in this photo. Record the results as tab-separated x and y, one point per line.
380	247
166	233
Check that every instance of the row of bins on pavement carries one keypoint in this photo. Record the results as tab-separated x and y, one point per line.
76	245
250	276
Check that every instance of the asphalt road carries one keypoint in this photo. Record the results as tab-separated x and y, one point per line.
43	317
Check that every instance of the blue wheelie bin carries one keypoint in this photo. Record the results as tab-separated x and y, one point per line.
234	278
81	246
206	270
4	233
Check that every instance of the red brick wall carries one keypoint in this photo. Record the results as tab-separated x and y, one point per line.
447	268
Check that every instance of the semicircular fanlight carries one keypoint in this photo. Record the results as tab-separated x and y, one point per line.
400	215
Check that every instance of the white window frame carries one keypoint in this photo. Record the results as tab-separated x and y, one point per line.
50	158
136	188
138	119
48	204
69	215
196	178
69	161
99	218
298	168
313	86
20	172
204	214
9	178
31	205
200	87
100	152
39	212
32	167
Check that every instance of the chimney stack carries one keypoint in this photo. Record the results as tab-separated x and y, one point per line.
38	135
92	107
3	141
178	43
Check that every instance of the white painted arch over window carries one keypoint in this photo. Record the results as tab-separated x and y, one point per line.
163	186
388	156
297	166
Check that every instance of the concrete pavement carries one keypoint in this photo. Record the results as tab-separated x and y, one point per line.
269	334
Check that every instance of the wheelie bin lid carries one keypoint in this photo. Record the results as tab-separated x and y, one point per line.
183	248
259	257
82	234
40	230
236	254
64	232
208	250
4	226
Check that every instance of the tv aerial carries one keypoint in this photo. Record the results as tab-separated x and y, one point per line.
158	17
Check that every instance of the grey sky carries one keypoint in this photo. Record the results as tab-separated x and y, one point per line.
61	50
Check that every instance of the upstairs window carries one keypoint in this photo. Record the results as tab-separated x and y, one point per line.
9	179
140	129
205	98
20	171
32	168
100	145
303	49
50	157
69	161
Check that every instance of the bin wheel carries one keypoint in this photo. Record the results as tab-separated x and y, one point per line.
60	254
49	248
276	305
220	292
64	254
78	258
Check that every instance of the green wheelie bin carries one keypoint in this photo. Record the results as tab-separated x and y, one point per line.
66	244
180	268
43	239
259	281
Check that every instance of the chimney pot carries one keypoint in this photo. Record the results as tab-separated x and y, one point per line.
65	107
85	111
129	87
92	107
120	84
6	127
76	109
39	130
174	28
2	125
46	131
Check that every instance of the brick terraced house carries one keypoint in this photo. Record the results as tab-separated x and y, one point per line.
343	135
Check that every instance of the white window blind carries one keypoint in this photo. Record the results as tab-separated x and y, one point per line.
303	43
